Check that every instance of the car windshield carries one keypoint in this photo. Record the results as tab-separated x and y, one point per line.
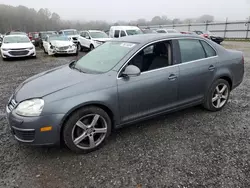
16	39
134	32
70	32
61	38
98	34
104	58
17	33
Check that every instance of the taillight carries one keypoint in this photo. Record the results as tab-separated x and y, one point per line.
205	35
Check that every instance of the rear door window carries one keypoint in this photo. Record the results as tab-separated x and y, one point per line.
191	50
123	34
210	52
117	32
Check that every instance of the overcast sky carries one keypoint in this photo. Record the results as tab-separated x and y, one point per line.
111	10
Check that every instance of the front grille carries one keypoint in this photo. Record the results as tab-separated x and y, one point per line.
12	104
22	135
19	49
16	53
63	48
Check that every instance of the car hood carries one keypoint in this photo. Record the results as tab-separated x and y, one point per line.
17	45
50	82
58	43
101	39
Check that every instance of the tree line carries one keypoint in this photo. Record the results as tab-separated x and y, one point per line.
29	20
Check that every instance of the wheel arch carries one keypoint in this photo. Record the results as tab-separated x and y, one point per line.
95	104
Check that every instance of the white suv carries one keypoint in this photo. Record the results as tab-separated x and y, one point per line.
91	39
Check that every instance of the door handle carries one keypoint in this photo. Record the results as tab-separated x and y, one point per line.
211	68
172	77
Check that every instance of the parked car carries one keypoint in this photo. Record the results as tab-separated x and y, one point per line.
122	31
17	46
166	31
118	84
211	36
59	44
1	40
42	36
147	31
34	37
72	34
91	39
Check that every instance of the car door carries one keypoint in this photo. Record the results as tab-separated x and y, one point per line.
46	43
83	39
197	69
88	40
153	91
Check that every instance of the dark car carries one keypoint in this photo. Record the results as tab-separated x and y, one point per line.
42	36
211	36
34	37
122	82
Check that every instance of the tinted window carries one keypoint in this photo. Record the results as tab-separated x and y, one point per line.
123	34
83	34
191	50
116	35
208	49
60	32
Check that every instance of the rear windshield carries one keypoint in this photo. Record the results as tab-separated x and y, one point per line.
61	38
104	58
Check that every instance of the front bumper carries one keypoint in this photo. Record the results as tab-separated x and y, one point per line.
57	51
27	129
18	53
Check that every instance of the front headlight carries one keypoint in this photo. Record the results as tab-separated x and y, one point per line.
5	49
32	107
31	48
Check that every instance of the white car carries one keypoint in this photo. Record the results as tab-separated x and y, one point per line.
17	46
122	31
72	34
92	38
59	44
167	31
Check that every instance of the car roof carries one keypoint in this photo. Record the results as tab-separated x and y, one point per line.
6	36
145	38
124	27
95	30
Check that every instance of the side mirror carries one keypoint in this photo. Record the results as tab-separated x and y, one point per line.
131	71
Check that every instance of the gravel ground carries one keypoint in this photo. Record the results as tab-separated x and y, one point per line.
190	148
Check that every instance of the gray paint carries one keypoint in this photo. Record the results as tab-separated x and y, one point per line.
129	99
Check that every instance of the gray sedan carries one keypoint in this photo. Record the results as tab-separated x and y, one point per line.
121	82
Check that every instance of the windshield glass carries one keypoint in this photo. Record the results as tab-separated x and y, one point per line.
104	58
134	32
70	32
16	39
61	38
98	34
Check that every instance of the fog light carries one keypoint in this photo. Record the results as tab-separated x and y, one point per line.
45	129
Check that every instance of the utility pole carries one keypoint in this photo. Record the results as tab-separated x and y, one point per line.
248	27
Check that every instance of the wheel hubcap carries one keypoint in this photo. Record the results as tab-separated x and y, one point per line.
89	131
220	96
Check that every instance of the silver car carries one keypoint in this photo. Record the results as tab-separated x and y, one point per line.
121	82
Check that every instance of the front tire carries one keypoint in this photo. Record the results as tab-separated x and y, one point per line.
218	95
86	129
91	47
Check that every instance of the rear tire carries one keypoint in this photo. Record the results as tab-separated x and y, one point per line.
86	129
217	96
91	47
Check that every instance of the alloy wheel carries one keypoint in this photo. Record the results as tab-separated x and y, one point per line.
89	131
220	95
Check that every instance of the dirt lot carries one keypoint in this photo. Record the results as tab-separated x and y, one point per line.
190	148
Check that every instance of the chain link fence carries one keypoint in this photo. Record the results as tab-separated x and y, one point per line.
231	30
